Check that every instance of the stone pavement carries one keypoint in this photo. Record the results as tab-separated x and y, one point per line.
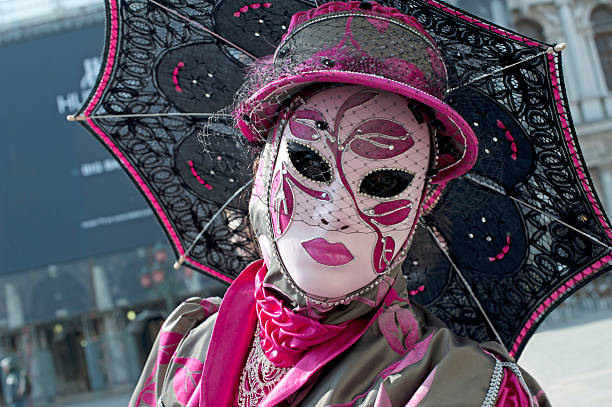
108	401
573	364
117	397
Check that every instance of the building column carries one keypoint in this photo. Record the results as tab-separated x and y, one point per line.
104	300
606	189
571	61
93	357
195	283
117	364
44	386
599	76
593	56
14	307
500	13
113	343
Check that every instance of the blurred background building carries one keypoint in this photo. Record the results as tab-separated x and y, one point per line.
86	276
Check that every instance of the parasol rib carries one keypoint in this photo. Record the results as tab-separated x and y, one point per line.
551	50
183	257
500	190
80	117
200	26
466	283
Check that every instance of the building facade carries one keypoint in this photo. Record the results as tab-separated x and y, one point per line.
85	276
586	26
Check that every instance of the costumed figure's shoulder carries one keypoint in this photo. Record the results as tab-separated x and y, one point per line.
511	385
178	354
190	314
455	363
408	357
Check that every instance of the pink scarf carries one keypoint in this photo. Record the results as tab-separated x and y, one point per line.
284	334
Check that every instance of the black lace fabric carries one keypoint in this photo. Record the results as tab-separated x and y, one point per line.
498	224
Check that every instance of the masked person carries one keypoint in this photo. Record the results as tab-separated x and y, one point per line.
15	383
355	136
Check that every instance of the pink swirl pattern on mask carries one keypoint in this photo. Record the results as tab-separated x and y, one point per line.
302	124
380	139
387	213
286	335
391	212
383	253
282	205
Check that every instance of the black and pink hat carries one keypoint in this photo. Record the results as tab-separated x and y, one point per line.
361	43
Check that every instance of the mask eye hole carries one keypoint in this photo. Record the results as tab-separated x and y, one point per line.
385	183
309	163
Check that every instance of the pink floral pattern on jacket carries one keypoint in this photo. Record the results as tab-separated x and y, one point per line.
188	371
398	324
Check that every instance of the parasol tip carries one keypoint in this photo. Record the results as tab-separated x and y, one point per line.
70	118
557	48
179	262
75	118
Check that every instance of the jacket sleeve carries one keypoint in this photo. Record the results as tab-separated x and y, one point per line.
511	386
514	391
187	316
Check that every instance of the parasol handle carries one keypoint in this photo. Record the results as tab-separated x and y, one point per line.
81	117
179	262
562	46
550	50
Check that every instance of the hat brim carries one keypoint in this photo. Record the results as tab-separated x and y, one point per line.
457	127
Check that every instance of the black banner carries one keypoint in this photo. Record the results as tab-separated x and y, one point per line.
62	196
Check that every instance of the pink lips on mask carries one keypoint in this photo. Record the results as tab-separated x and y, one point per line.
327	254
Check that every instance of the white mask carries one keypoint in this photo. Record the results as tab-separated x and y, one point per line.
347	182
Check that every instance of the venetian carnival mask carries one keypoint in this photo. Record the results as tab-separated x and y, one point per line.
348	172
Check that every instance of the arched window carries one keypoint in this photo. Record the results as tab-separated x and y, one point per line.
602	28
531	29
